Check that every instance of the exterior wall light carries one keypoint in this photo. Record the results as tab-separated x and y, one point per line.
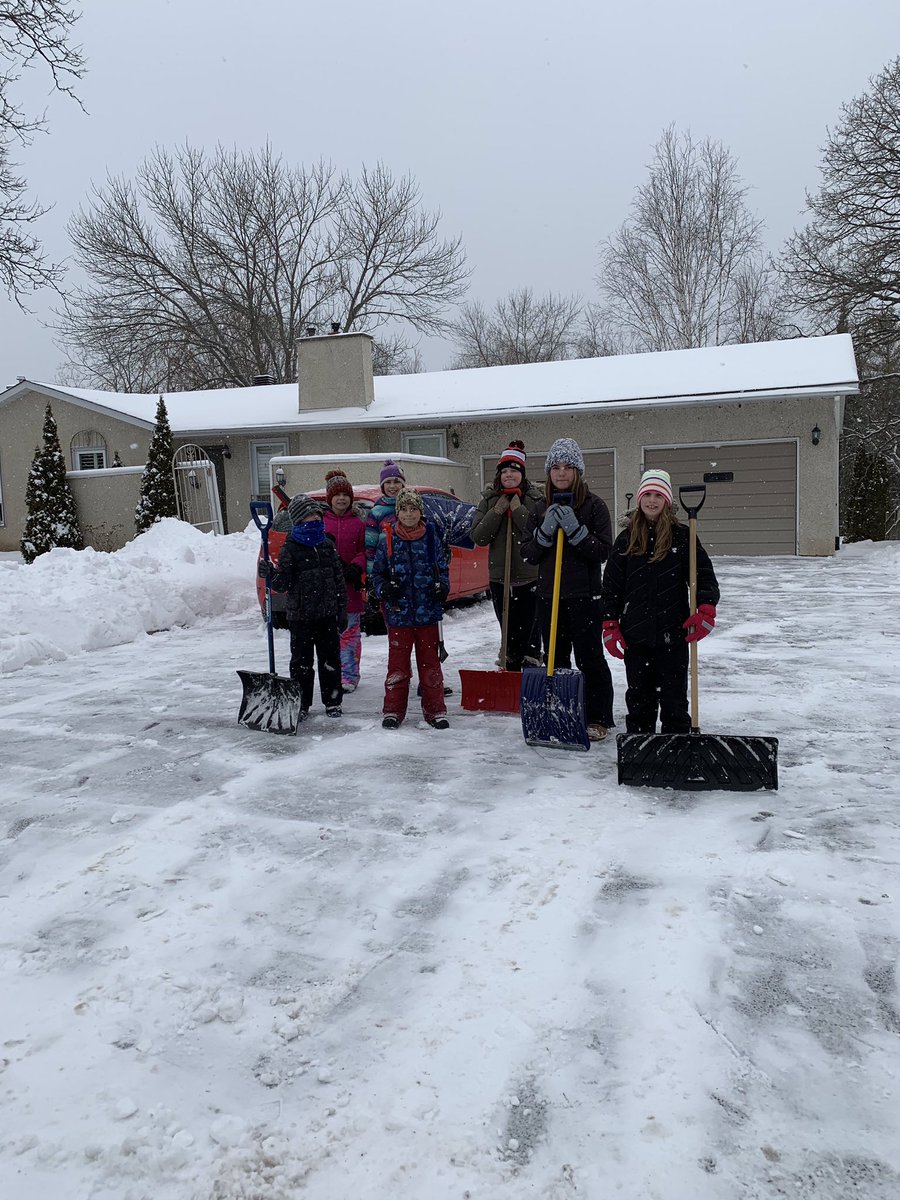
454	440
816	435
280	477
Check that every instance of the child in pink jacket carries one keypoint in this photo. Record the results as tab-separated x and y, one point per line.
349	533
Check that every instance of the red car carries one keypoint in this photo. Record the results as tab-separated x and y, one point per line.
453	517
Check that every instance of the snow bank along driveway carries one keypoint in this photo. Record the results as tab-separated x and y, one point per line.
424	965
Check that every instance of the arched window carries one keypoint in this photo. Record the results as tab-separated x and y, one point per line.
88	449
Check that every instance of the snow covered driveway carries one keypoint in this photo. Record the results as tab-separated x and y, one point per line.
443	965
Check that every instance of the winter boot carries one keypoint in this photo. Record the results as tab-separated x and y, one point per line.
390	722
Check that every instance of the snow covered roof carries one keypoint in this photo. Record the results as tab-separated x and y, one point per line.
758	370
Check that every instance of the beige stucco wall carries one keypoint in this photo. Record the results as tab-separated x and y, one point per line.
627	431
335	371
106	502
22	422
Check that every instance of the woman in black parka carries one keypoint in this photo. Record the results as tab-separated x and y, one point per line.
585	522
646	607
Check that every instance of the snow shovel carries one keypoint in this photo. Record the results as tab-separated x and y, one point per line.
270	703
552	704
495	691
697	761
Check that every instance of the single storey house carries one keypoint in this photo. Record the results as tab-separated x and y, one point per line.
759	424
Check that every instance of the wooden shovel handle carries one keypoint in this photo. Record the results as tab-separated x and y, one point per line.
504	624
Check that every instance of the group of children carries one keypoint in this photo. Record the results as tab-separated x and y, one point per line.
629	595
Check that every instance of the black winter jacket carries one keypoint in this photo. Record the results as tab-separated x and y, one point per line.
649	599
313	578
581	564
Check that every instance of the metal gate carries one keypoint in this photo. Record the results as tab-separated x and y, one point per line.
196	493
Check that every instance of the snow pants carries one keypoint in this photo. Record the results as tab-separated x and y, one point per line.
351	649
401	643
523	635
322	637
657	678
581	628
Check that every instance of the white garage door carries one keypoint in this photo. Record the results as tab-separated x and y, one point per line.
751	493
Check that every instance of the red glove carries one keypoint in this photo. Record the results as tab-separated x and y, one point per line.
613	640
701	623
513	492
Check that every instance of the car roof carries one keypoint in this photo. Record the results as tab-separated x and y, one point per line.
371	491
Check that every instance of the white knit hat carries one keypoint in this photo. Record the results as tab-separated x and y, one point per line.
656	481
564	452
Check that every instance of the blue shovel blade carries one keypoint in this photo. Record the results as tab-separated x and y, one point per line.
552	709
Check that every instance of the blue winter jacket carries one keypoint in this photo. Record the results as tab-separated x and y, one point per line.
415	565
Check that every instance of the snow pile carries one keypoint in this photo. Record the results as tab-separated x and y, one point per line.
69	601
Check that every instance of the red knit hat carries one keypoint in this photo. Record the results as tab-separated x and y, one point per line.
337	484
513	456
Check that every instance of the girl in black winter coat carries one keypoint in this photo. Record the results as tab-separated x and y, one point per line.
584	519
310	572
646	608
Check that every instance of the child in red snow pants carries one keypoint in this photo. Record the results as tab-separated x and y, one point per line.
401	643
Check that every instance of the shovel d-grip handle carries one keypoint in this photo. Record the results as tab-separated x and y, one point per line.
684	498
258	510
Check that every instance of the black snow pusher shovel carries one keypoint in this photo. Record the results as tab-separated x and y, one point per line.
697	761
552	704
270	703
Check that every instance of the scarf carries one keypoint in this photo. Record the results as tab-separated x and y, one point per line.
309	533
410	535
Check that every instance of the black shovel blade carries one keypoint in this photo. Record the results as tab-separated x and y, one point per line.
270	703
552	709
698	761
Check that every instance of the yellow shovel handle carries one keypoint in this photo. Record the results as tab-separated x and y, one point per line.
554	605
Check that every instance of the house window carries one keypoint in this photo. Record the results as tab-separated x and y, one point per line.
425	442
88	450
90	460
260	455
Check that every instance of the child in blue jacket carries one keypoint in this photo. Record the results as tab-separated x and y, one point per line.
411	578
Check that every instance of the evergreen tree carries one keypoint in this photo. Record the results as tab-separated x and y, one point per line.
867	504
157	499
52	516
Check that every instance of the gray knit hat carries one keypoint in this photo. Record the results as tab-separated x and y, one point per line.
303	506
564	452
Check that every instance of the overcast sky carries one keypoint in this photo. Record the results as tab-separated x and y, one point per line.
528	124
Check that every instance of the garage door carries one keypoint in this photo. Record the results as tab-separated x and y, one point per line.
599	472
751	493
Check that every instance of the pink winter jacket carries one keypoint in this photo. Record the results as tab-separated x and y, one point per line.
350	534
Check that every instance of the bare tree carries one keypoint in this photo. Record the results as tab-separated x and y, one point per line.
393	355
206	270
597	335
31	32
391	264
845	265
843	269
687	269
520	328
